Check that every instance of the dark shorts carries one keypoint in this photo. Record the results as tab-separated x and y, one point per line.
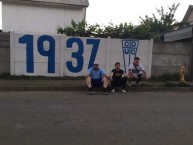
96	82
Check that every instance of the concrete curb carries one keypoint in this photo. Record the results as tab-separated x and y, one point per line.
83	88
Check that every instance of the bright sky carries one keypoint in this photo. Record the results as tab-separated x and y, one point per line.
117	11
0	16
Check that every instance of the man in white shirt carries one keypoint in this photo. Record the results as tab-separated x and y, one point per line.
136	71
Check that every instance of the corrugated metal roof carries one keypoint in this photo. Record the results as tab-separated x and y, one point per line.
84	3
179	34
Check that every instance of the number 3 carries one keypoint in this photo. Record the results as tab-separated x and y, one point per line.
79	54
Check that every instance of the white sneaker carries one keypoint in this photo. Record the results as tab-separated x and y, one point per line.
113	90
123	91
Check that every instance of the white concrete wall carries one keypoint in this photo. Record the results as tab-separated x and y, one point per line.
38	19
79	53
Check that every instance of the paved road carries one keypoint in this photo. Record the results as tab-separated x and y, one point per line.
66	118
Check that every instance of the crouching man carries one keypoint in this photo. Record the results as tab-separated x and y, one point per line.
136	71
96	77
118	78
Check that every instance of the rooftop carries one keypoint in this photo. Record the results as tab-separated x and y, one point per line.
82	3
188	13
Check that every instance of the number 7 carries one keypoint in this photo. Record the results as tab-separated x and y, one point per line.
95	43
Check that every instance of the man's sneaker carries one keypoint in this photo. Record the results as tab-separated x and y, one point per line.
105	91
91	91
123	91
137	83
113	90
129	83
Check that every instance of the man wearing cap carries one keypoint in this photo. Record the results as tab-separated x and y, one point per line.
136	71
96	77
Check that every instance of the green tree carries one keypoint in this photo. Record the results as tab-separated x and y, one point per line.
151	27
86	30
163	22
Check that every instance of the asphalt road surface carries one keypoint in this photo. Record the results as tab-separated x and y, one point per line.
76	118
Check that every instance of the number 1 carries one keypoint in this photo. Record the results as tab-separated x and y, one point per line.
28	40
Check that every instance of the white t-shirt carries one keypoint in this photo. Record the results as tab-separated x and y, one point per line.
136	69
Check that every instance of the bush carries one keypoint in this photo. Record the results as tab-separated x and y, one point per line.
169	77
166	77
122	31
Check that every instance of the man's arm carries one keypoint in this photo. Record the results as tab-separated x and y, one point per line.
104	74
130	72
111	75
145	74
130	69
124	74
88	73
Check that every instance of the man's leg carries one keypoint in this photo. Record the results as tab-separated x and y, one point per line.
123	82
89	84
132	77
113	85
139	78
105	84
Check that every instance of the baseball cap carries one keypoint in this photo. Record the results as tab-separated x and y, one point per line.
96	62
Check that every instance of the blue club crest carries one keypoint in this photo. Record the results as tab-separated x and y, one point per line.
129	48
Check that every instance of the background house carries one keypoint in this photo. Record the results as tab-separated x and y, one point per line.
41	16
188	18
185	33
180	49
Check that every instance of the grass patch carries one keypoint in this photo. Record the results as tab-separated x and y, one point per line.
168	77
7	76
176	84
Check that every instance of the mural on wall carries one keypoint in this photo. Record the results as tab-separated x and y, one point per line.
129	50
59	55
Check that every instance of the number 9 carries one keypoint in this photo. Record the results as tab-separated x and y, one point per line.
50	53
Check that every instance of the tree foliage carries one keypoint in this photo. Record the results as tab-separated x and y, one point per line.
162	22
151	27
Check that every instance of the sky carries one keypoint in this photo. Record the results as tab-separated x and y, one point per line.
120	11
0	16
117	11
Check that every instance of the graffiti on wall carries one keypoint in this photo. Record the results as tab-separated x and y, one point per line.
129	48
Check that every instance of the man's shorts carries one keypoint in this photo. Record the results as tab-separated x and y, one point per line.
97	82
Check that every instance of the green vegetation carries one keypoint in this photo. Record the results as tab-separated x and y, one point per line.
150	27
7	76
168	77
176	84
